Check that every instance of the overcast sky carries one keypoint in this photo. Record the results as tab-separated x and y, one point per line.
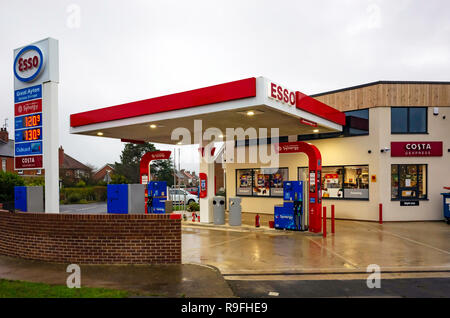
112	52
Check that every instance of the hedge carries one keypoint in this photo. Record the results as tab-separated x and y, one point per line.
75	195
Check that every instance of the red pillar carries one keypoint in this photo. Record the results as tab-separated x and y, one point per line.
324	230
332	218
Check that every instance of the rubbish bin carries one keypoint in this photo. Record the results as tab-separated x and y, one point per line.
219	210
446	199
235	212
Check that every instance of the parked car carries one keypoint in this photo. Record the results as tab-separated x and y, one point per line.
193	190
178	195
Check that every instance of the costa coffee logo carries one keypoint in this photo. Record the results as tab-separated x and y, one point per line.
281	94
416	148
413	146
28	63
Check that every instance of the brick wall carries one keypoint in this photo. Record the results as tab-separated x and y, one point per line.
91	239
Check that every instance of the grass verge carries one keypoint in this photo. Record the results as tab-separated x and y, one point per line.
21	289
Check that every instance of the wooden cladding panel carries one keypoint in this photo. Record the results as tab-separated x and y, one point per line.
413	94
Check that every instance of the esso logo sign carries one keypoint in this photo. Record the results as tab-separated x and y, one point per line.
281	94
28	63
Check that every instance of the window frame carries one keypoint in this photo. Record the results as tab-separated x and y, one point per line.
399	197
408	132
253	180
343	179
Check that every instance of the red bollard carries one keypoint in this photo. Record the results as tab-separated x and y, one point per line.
324	221
332	218
381	213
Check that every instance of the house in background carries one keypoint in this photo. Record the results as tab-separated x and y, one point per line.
70	169
104	173
6	151
186	178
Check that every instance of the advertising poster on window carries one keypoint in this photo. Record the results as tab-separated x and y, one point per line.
276	183
244	179
262	184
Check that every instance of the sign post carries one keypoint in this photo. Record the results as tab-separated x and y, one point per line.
36	78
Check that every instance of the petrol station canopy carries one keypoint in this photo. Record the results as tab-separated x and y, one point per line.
252	102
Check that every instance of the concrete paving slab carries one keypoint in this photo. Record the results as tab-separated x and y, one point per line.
404	246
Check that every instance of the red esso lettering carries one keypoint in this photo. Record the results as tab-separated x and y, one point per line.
29	63
285	94
273	90
292	98
282	94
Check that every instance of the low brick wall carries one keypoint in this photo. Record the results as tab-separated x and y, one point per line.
91	239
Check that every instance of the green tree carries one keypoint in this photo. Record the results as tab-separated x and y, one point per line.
162	170
7	182
131	157
118	179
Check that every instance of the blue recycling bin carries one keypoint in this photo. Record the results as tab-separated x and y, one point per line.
446	202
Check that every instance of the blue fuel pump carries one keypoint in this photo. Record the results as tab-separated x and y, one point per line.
289	216
157	196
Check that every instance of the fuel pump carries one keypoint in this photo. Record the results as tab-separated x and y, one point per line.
157	196
290	215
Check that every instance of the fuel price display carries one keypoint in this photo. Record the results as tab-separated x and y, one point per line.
29	134
28	121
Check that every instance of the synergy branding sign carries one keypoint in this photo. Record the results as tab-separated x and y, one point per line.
281	94
416	149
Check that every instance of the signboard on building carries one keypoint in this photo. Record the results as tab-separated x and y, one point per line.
416	148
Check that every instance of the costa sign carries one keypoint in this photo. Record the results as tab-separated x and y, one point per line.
281	94
29	63
416	149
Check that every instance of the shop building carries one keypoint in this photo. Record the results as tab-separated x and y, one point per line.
394	150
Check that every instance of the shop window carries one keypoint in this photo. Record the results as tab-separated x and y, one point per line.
261	182
332	185
408	120
356	124
356	182
408	182
345	182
